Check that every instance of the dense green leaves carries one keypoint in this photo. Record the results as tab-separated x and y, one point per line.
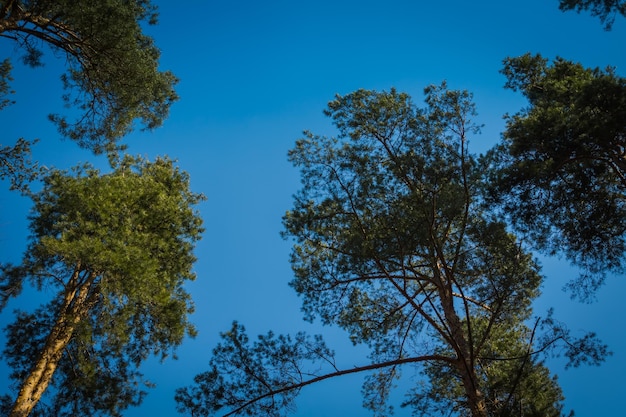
562	173
122	241
112	76
135	222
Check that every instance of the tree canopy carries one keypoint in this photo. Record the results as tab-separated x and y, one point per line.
112	76
561	170
117	249
392	243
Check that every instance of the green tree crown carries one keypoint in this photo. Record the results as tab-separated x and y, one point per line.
394	244
118	248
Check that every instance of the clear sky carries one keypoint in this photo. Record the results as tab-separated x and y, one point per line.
254	74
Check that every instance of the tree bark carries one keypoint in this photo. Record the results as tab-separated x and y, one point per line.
475	398
465	366
76	304
465	354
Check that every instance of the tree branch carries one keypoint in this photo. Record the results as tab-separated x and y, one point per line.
358	369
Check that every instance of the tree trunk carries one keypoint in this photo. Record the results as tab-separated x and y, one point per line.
465	365
465	354
75	307
475	398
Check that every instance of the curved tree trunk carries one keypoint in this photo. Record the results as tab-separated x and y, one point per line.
76	304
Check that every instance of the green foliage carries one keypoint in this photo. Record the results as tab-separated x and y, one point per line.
137	221
112	66
562	172
236	366
125	239
514	382
606	10
393	243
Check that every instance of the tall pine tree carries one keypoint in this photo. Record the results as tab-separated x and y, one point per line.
115	250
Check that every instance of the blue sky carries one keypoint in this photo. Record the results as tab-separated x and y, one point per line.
254	75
